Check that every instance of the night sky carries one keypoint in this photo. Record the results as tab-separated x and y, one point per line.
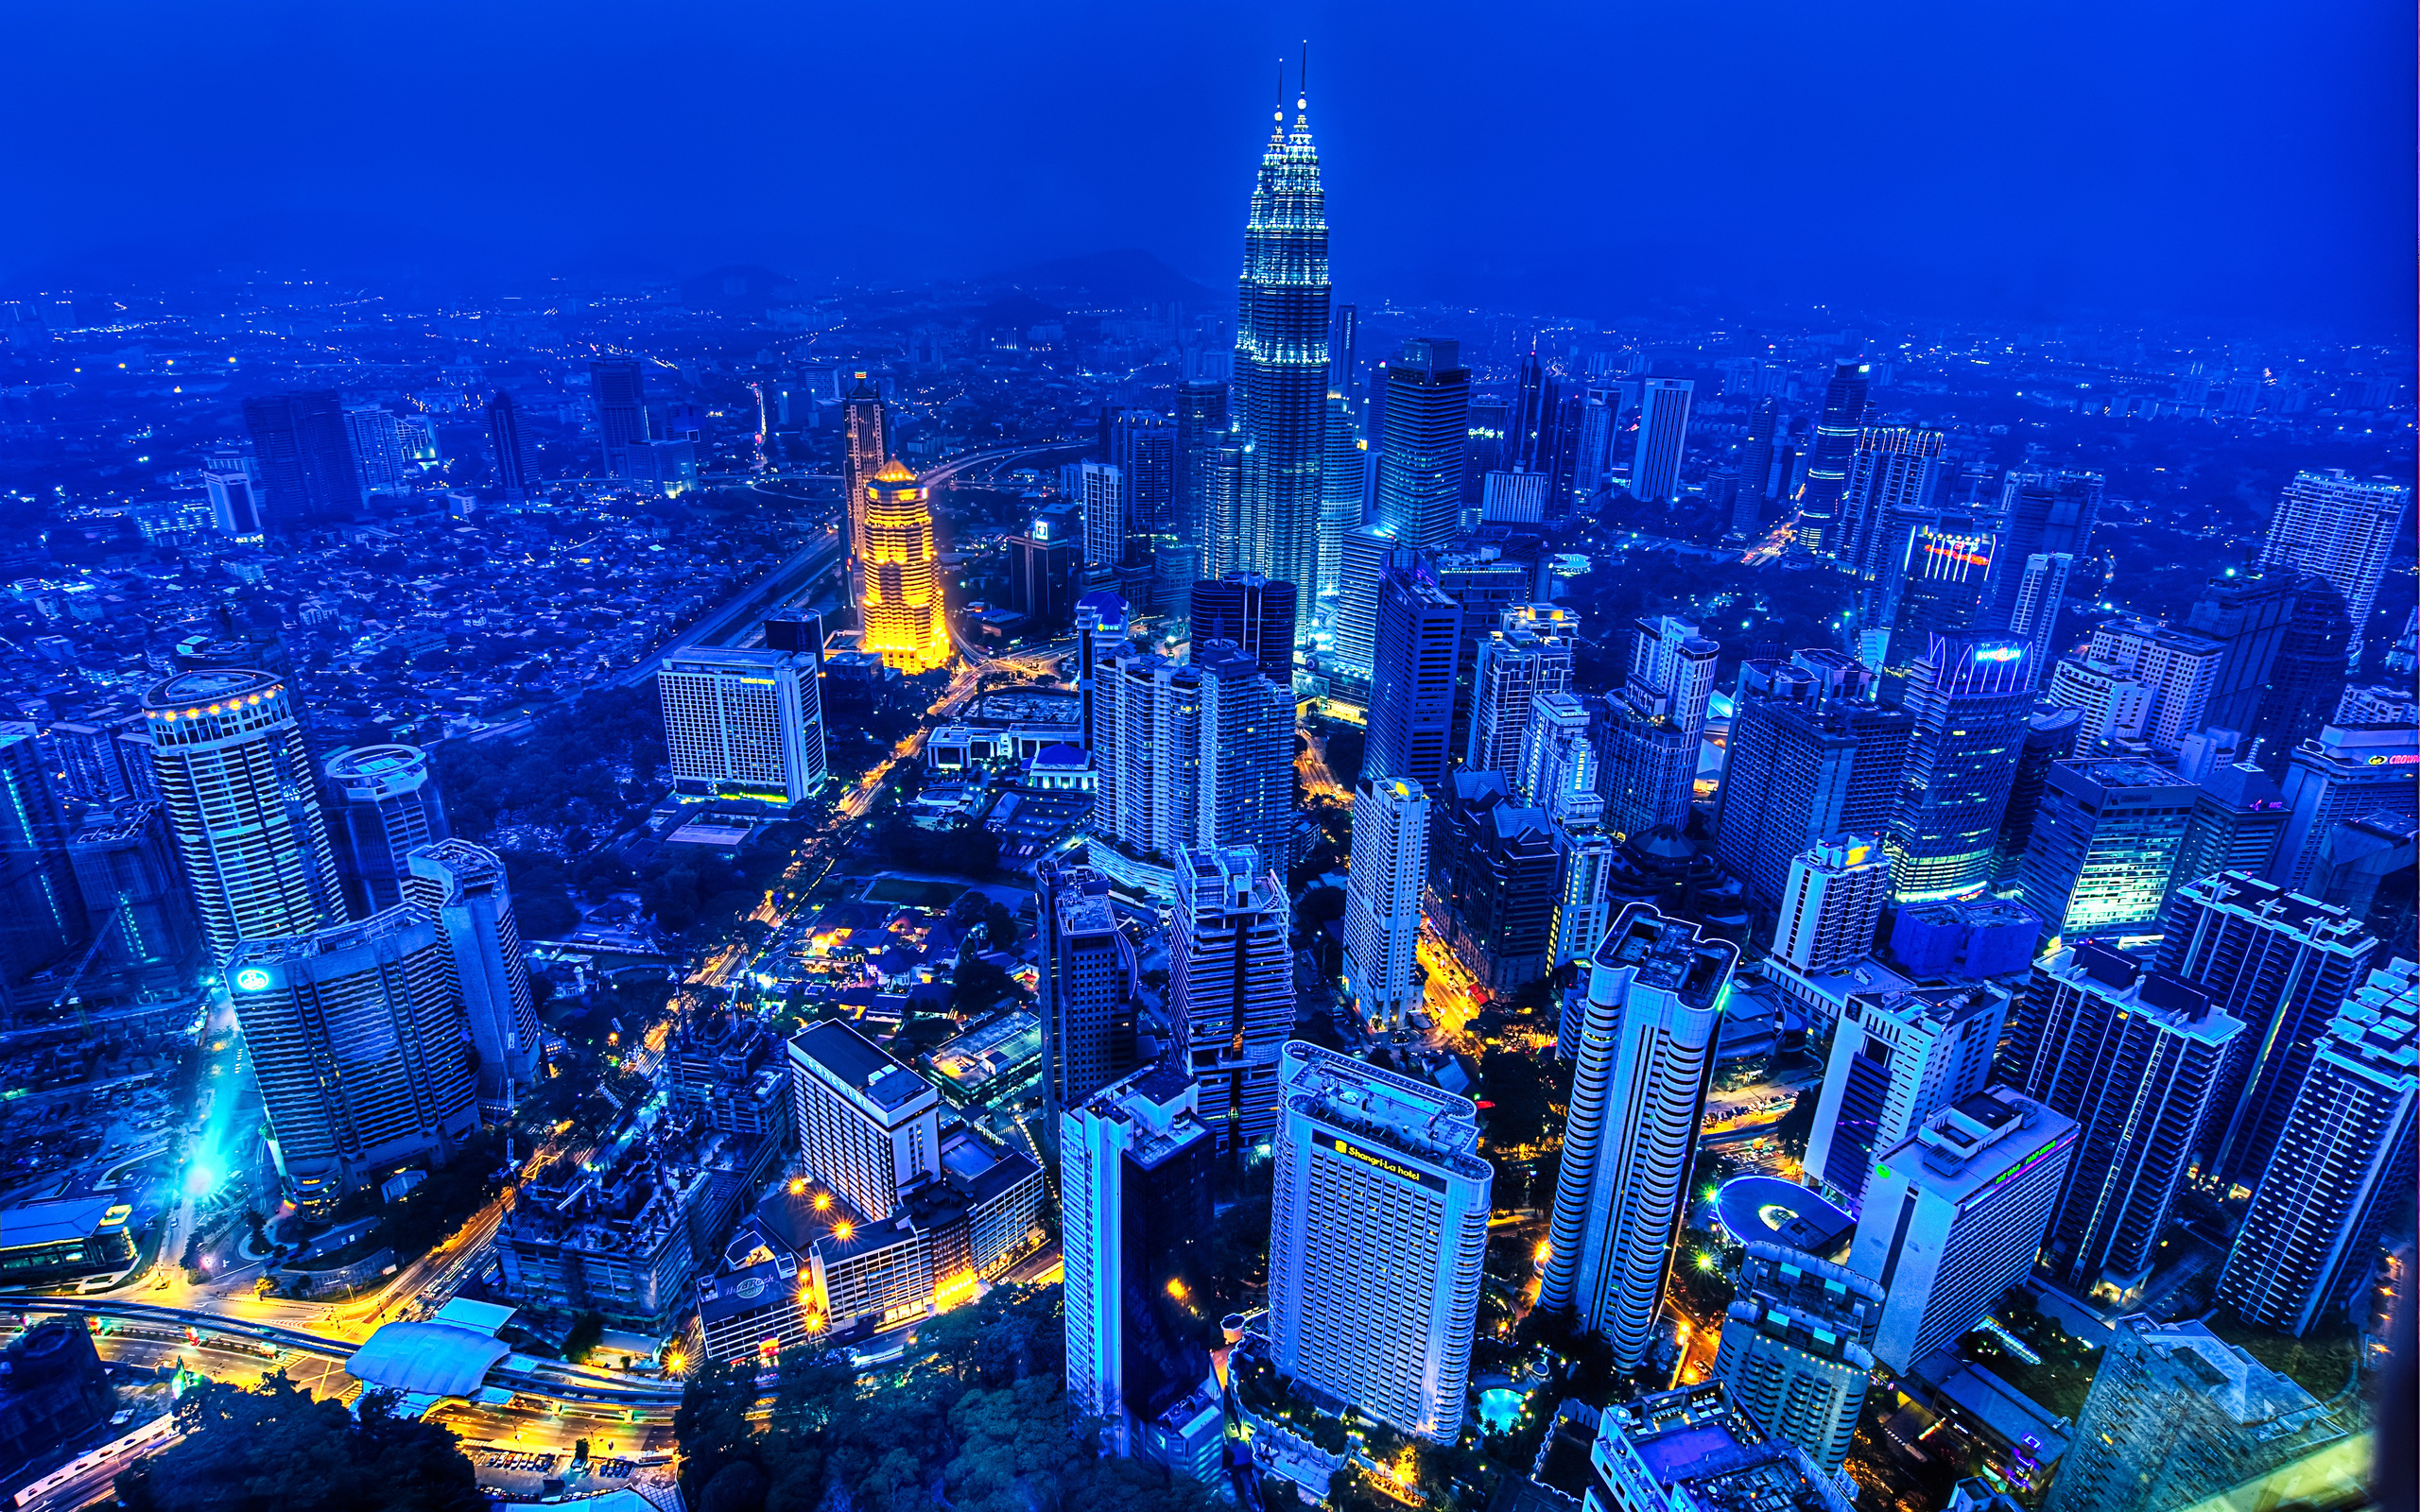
2246	162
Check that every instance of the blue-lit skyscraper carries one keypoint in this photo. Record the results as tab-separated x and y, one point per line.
1827	460
1282	359
1424	450
1970	697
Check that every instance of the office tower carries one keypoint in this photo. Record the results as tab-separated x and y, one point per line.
2102	845
1225	547
1244	790
903	600
868	1127
2344	1162
1100	633
1944	573
1584	903
2237	815
1142	446
1102	489
1047	566
2343	528
2245	613
1341	453
1647	1049
2306	678
2350	771
2175	1415
2050	737
1527	654
1598	420
227	749
133	892
355	1034
236	507
2137	1058
2281	963
1970	698
2113	705
1281	360
1800	766
1255	613
1755	467
511	446
1089	991
1832	903
1344	352
618	387
1513	498
45	909
463	887
1558	770
92	759
1135	1222
1423	452
2179	667
864	448
1391	821
1418	641
1662	437
1529	441
385	803
1367	553
1147	755
1201	432
1494	867
743	723
1899	1055
308	476
1797	1347
381	449
1953	1215
1647	736
1827	462
2034	614
1377	1236
1231	989
1896	471
2047	514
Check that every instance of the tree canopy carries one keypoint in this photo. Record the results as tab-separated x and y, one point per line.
977	1421
279	1450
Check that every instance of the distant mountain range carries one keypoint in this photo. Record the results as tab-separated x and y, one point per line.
1125	278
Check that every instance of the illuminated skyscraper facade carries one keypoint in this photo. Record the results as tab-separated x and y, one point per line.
355	1032
743	722
902	605
1827	463
385	804
228	752
1282	359
463	887
866	440
1970	697
1423	449
2342	528
1231	989
1646	1045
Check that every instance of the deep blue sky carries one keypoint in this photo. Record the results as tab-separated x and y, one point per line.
2242	161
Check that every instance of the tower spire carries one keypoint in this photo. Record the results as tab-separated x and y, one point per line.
1303	79
1281	92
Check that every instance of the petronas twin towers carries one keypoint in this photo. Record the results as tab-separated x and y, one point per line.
1282	361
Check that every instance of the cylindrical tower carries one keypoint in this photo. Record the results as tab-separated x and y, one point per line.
903	581
1281	362
227	752
386	805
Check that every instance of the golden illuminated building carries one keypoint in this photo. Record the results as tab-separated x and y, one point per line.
903	580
